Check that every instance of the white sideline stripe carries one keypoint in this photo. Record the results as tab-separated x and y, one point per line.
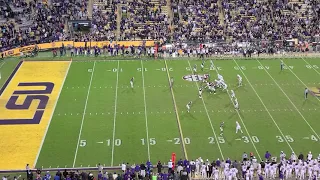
115	115
84	112
310	65
54	107
145	111
265	107
209	118
290	99
254	146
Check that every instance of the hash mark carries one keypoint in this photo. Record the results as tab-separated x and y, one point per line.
238	139
169	140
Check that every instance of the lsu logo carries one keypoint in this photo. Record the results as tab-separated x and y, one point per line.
40	96
193	77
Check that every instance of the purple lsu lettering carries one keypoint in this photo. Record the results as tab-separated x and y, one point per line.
31	96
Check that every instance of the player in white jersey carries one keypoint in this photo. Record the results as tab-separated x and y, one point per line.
220	77
236	104
218	83
247	175
239	80
303	171
203	171
234	172
189	106
273	171
212	88
195	69
224	85
238	127
216	173
309	156
197	166
171	82
233	95
131	82
200	92
267	170
309	170
297	170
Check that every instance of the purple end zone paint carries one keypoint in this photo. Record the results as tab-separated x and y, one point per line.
10	77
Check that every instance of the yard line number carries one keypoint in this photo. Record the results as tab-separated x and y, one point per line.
117	142
246	139
312	66
263	67
165	69
240	68
116	70
313	138
152	141
286	137
140	69
178	141
220	140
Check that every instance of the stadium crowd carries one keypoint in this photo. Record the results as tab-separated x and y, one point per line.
249	168
25	22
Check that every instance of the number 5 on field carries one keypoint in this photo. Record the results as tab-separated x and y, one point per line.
82	143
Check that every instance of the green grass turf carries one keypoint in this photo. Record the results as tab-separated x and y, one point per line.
274	115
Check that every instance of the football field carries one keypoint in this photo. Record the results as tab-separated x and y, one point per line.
92	115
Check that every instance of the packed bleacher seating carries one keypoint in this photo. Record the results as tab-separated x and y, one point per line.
24	22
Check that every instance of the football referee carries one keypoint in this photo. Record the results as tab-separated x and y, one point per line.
306	92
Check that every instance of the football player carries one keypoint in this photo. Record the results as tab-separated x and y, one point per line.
131	82
281	65
212	88
200	92
195	69
221	128
239	80
220	77
171	82
224	85
202	65
233	95
189	106
238	127
236	104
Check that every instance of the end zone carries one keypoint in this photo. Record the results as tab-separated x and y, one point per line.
27	102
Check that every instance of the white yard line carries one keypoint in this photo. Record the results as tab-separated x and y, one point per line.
115	115
289	98
310	65
254	146
83	115
54	107
145	110
209	118
2	64
265	107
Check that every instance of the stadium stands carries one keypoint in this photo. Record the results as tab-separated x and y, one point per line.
25	22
